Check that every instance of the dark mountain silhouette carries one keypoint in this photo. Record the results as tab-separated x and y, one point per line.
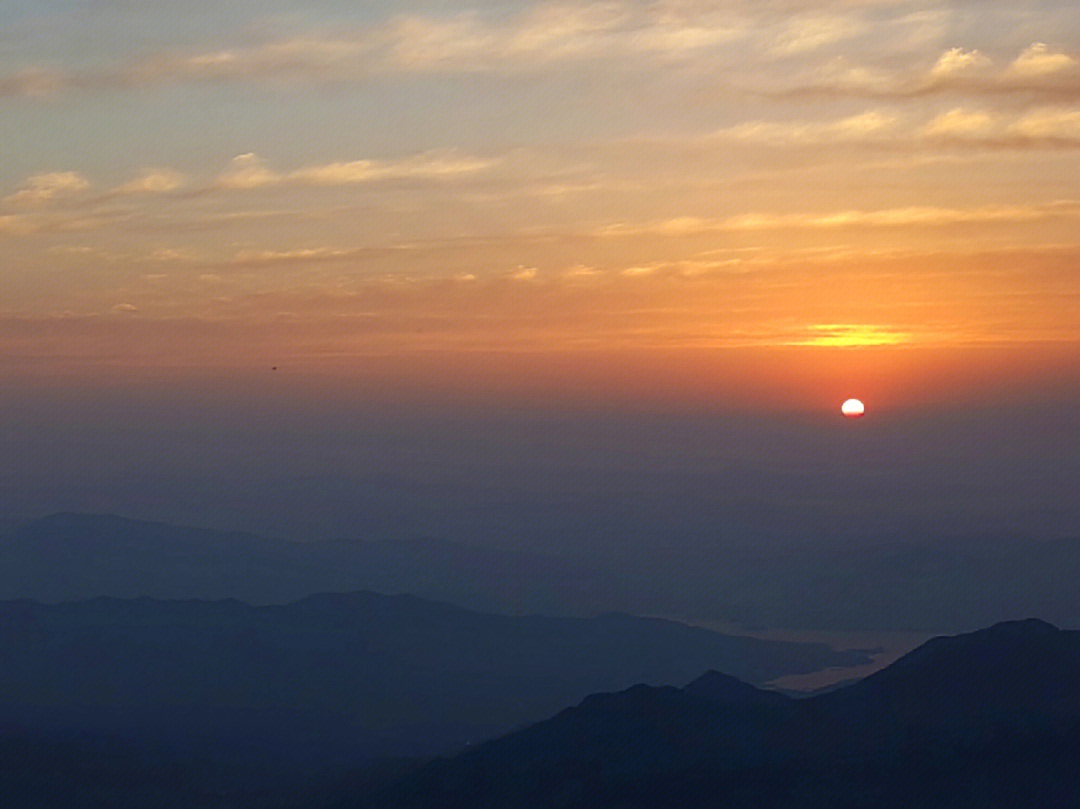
723	688
1022	674
990	718
338	678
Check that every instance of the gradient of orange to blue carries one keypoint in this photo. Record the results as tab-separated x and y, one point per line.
681	205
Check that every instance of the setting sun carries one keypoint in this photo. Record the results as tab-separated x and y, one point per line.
852	408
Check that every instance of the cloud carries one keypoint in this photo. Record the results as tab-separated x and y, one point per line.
545	34
247	171
930	215
153	181
959	123
957	62
1049	124
298	254
84	250
1036	70
1039	128
1038	60
868	125
430	166
170	254
355	171
35	82
838	76
15	225
736	42
41	188
910	216
804	33
124	308
580	272
692	268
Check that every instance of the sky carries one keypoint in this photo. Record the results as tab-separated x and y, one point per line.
544	248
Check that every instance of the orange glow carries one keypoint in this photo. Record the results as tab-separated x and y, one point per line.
786	334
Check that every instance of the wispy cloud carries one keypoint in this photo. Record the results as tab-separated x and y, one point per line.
15	224
1049	124
542	35
252	257
1037	71
872	124
807	33
910	216
39	82
34	204
170	254
1043	127
775	49
782	47
248	170
959	123
41	188
153	181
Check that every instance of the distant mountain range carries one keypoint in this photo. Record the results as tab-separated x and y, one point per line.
65	557
988	719
912	584
336	679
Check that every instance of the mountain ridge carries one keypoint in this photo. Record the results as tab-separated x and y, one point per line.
648	747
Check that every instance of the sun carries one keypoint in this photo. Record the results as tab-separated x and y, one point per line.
852	408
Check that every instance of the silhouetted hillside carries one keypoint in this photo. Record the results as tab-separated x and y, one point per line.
1020	675
334	679
723	688
986	719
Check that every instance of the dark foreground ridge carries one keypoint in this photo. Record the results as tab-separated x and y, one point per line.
987	719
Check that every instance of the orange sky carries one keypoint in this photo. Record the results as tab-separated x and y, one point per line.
690	202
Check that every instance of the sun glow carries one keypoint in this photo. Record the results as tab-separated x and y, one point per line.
854	334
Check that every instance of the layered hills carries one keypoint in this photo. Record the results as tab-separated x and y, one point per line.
337	678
